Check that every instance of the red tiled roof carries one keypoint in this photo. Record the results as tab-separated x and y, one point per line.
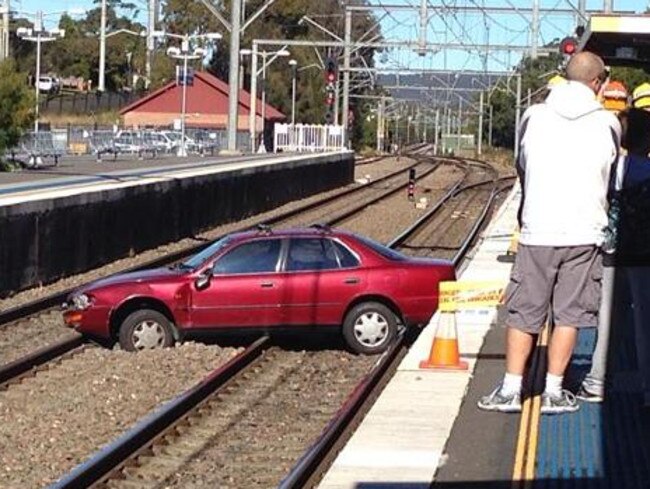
209	94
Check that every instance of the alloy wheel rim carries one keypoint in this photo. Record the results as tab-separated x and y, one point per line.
147	335
371	329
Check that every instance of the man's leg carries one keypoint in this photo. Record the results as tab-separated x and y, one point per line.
576	300
526	301
560	349
519	344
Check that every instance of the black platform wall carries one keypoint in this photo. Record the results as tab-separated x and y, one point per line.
45	240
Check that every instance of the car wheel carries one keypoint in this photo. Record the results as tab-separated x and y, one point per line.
369	328
144	330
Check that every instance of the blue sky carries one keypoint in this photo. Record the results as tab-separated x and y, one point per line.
462	28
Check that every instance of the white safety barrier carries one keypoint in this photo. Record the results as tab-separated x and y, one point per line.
308	138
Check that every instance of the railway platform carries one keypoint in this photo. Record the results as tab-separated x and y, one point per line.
426	430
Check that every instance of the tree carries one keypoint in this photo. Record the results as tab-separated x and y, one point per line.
16	105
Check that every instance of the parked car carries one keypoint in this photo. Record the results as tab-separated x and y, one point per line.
266	279
48	84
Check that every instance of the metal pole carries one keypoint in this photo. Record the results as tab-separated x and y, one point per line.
293	95
346	75
517	115
380	124
337	99
262	144
529	97
582	12
183	150
233	75
480	124
490	128
534	30
437	129
608	6
4	53
252	118
102	49
38	76
423	27
460	117
408	130
151	27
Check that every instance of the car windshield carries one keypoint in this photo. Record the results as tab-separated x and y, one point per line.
173	136
198	259
384	251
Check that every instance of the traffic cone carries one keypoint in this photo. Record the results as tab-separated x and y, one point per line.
444	350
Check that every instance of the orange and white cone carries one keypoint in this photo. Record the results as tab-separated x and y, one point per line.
444	349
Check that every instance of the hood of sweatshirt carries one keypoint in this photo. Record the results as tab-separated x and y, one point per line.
572	100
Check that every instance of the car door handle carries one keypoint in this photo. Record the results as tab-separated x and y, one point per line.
351	280
266	285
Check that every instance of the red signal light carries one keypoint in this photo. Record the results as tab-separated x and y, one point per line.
568	46
331	77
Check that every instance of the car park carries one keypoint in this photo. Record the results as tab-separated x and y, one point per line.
295	279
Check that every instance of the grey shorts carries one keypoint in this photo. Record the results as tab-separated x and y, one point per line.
565	280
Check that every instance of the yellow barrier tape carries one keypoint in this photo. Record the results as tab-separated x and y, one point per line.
455	296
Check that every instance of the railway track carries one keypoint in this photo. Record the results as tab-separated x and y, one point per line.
308	463
39	323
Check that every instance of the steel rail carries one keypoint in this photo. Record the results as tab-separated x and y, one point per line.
308	468
51	352
113	456
56	299
11	371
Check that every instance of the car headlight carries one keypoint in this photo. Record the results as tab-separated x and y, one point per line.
80	302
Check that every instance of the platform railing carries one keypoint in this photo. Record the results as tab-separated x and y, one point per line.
308	138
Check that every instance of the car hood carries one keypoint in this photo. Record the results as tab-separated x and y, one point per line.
153	275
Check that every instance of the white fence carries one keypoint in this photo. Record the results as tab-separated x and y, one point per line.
308	138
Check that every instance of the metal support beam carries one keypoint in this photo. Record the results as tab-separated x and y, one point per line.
102	49
517	116
217	13
534	30
259	12
480	124
346	75
233	75
253	109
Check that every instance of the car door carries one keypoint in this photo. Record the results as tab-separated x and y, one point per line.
245	289
319	281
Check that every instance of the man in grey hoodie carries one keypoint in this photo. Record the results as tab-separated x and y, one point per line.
568	145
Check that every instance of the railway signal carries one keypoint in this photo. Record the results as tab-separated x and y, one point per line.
568	46
330	89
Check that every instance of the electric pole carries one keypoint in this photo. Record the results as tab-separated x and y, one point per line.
151	43
233	75
4	37
102	49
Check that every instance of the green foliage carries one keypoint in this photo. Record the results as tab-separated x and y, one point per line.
16	105
535	75
77	54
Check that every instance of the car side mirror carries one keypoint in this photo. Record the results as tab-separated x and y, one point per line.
203	280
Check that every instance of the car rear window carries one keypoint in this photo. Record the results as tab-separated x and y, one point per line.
382	250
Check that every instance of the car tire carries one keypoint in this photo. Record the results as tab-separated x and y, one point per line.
146	329
369	328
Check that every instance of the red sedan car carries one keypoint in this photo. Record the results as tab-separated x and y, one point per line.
266	279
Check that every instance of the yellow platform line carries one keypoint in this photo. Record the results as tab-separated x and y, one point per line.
528	436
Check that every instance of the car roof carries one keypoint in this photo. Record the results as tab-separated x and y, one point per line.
307	232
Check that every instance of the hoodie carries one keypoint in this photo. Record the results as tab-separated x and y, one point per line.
568	145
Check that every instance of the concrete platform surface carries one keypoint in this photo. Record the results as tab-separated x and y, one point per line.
401	441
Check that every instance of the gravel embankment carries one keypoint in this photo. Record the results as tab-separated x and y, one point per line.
52	422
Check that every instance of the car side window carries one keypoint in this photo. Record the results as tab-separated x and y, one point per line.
311	254
259	256
346	257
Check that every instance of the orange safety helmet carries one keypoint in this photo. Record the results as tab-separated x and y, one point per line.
614	96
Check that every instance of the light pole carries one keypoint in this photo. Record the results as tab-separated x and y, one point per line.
38	35
293	63
185	53
254	73
103	36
